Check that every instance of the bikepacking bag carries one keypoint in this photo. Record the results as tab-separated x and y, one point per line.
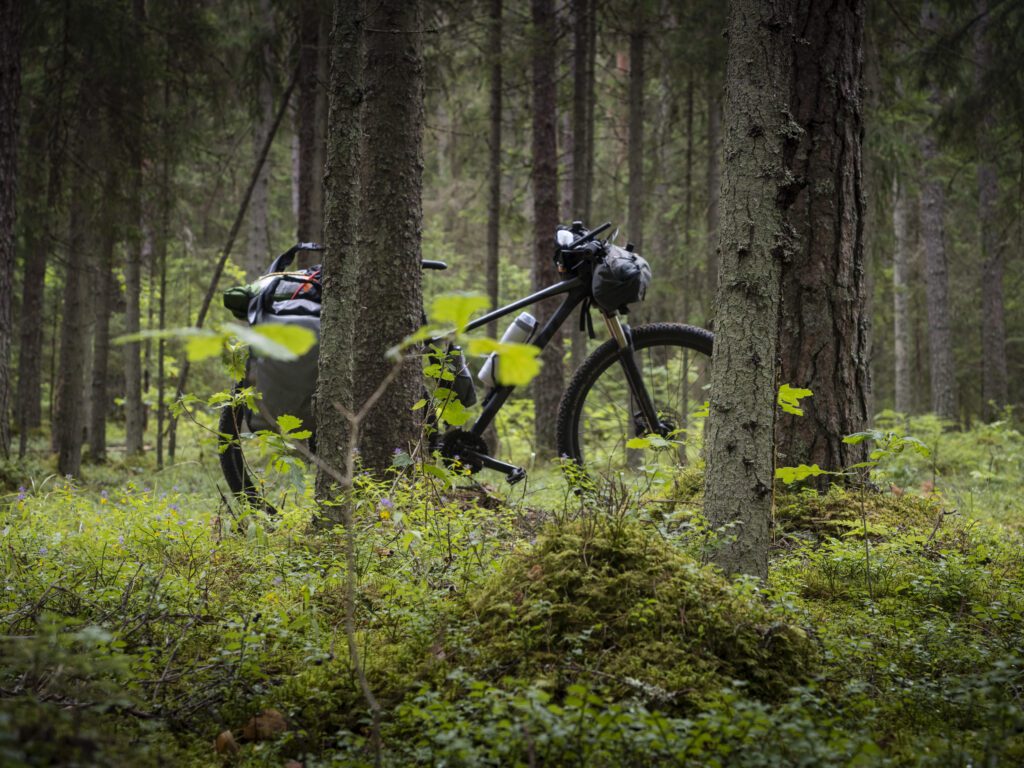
620	278
291	298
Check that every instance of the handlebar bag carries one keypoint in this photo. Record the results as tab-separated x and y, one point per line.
620	278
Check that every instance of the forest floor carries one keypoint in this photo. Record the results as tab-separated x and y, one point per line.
143	622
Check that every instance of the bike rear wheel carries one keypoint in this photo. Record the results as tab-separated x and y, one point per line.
599	415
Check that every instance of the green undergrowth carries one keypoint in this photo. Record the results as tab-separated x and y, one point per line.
139	620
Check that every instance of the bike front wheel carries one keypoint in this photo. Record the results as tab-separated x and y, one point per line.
599	413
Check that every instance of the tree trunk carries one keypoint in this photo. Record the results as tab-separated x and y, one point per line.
933	205
994	380
134	425
103	300
900	302
547	387
754	240
10	95
582	138
714	183
635	232
311	172
340	267
258	241
69	415
494	162
824	329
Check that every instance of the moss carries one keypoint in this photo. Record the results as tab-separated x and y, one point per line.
808	514
617	605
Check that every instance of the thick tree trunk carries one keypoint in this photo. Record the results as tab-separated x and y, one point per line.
257	253
637	201
994	380
311	172
754	240
340	267
824	329
10	95
134	424
387	308
494	161
900	299
547	387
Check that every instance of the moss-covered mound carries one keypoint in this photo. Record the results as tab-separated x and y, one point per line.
840	511
616	605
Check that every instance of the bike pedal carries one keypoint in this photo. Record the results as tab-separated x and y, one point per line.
515	475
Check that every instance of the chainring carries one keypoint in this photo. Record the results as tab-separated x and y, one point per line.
454	443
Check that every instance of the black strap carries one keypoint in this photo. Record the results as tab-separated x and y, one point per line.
586	321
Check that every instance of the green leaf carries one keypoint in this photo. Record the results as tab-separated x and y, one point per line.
517	364
201	346
419	404
638	442
457	308
276	340
703	412
790	475
860	437
789	399
287	423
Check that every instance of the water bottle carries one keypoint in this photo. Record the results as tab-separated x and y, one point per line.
520	331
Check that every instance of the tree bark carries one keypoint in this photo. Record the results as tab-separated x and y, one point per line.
10	95
311	172
754	240
637	200
900	298
547	386
134	424
386	309
258	240
340	268
69	415
994	379
103	300
933	205
494	161
582	137
824	329
714	182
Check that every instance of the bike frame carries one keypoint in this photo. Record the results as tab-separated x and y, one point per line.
576	291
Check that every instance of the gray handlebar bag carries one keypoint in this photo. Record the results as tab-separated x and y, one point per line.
620	278
287	386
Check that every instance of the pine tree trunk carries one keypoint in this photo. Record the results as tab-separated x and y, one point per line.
310	217
134	425
824	330
994	380
714	183
637	201
582	140
69	412
933	205
10	95
547	386
900	299
103	300
257	254
754	240
494	161
41	196
340	263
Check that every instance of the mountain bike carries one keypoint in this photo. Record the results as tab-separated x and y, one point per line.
628	406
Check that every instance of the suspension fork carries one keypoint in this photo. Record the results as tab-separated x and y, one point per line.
627	359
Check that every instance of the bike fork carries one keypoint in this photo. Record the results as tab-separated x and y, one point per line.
627	358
